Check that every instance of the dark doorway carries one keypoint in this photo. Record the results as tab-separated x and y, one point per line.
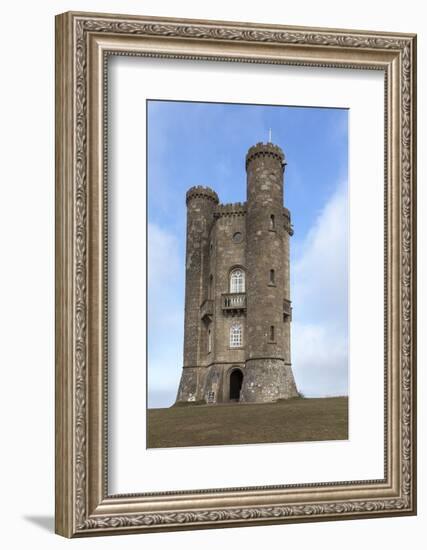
236	379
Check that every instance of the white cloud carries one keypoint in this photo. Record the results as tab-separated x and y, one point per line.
165	309
320	302
320	359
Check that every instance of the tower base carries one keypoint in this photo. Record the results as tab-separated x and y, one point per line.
256	381
267	380
191	385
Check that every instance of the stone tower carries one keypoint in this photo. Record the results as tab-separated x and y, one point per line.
237	291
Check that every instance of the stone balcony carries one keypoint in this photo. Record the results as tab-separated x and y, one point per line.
234	302
287	310
206	310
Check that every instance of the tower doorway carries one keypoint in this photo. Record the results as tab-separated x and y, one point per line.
236	379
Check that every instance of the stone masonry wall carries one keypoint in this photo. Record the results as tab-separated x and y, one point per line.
228	255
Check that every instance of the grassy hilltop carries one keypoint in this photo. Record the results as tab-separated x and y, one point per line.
297	419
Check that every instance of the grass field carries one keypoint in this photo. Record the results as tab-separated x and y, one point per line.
299	419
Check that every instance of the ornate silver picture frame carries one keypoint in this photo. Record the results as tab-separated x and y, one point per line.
84	505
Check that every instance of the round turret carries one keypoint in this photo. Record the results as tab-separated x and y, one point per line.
268	372
265	150
201	203
200	192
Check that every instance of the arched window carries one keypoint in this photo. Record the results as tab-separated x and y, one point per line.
272	222
235	336
272	277
237	280
209	340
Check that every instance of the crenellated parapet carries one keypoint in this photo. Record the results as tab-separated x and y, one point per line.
265	150
231	209
201	192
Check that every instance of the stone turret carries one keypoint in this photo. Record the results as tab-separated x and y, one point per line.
268	374
201	203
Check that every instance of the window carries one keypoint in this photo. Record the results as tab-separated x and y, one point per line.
272	222
237	280
235	336
237	237
272	277
210	289
272	333
209	341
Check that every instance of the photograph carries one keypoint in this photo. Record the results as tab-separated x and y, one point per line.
247	238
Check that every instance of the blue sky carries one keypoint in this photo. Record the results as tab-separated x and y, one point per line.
205	144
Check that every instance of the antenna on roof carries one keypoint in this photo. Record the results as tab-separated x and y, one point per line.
269	135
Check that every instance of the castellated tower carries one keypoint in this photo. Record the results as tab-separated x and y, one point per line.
268	374
237	292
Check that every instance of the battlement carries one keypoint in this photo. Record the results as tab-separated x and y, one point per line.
265	150
231	209
200	192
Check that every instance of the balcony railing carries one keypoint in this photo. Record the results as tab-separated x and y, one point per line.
233	302
206	310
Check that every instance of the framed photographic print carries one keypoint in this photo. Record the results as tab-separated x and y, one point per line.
235	274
